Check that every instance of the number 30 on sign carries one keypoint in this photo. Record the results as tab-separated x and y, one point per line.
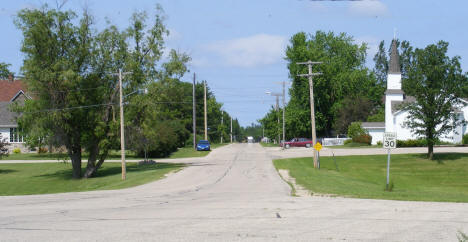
389	140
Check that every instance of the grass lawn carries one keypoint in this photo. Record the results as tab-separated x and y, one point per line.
414	177
40	178
184	152
269	144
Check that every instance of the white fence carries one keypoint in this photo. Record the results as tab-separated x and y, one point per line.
333	141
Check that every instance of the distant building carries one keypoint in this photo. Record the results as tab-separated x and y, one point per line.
395	117
11	91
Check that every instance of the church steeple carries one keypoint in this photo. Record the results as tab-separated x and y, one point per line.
394	67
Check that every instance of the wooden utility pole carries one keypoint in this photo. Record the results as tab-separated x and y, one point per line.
222	126
312	107
277	95
284	107
206	119
122	133
194	115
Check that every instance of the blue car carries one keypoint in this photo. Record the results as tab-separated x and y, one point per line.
203	145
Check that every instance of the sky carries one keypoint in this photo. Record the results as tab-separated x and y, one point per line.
238	46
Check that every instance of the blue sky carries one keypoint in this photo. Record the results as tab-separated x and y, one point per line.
237	46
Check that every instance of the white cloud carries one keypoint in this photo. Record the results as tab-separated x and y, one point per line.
372	44
256	50
369	8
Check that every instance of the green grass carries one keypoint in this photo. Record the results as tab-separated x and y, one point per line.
414	177
184	152
269	144
40	178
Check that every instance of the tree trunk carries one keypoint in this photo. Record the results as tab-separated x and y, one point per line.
91	166
430	151
75	156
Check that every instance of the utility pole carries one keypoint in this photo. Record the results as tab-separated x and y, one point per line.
194	117
206	120
312	108
277	95
122	133
222	126
231	129
284	107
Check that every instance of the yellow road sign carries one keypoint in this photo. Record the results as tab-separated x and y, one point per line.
318	146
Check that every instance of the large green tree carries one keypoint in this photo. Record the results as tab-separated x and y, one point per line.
436	81
343	75
68	65
4	71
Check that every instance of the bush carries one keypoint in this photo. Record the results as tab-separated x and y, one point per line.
363	139
465	139
355	129
348	141
412	143
16	151
379	143
42	150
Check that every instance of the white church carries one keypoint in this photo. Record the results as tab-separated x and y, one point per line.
395	117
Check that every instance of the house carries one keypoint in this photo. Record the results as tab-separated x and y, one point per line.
395	116
11	91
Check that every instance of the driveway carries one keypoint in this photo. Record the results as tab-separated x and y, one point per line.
233	194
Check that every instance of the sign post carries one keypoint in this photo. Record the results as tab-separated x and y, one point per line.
318	147
389	142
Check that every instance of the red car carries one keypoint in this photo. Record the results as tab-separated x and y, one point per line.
298	142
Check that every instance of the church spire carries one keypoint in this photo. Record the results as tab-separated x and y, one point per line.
394	67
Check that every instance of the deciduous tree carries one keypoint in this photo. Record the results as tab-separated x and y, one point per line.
436	81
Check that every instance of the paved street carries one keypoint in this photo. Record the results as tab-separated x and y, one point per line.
233	194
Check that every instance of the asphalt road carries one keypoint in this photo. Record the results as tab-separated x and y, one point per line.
233	194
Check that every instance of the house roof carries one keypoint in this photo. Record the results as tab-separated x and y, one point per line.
394	66
373	125
7	118
10	89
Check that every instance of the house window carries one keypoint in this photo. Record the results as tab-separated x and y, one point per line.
15	136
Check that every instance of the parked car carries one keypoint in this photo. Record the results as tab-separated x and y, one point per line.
297	142
203	145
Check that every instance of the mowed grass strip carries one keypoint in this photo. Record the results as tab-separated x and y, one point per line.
184	152
414	177
40	178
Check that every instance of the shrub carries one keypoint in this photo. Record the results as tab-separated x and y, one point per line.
355	129
42	150
465	139
3	148
363	139
412	143
348	141
16	150
379	142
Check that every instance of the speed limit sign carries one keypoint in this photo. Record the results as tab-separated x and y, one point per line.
389	140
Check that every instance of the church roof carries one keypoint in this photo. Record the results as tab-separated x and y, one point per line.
396	105
394	91
394	66
374	125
